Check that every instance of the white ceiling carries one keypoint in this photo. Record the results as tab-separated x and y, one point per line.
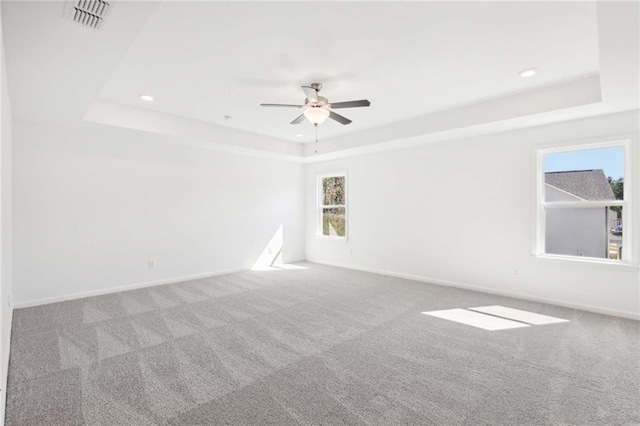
426	67
205	60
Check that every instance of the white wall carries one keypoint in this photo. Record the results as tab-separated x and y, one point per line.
430	213
6	311
575	232
94	203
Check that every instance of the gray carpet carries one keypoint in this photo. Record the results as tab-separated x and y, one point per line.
320	345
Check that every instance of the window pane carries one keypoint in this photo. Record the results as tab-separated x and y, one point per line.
590	174
334	222
616	233
333	191
591	232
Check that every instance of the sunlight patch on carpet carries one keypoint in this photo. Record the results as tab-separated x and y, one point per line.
476	319
519	315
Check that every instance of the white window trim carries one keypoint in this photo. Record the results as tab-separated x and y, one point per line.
320	206
629	251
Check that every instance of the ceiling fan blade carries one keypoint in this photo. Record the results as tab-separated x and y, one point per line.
310	93
282	105
340	119
298	120
351	104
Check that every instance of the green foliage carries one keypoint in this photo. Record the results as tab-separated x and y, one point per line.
333	191
335	217
617	186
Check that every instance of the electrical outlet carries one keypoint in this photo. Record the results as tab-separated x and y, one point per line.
151	264
517	271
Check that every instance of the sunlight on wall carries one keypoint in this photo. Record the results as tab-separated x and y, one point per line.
272	254
271	257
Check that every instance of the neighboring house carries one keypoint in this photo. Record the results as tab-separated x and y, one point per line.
578	231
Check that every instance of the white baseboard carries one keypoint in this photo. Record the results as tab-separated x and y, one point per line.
589	308
524	296
84	294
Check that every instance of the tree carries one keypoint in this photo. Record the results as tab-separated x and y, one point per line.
617	186
333	190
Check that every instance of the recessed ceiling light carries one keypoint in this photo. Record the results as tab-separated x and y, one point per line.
146	98
529	72
299	135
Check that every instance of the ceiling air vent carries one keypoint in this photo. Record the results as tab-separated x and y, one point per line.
89	13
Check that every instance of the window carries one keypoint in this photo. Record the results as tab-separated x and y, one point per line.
332	205
583	202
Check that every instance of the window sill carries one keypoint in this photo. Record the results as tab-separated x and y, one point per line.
331	238
590	261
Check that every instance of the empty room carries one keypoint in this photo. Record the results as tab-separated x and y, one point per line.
319	213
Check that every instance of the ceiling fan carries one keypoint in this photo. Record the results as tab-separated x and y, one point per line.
317	108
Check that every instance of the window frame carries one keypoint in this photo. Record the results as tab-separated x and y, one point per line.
320	206
627	203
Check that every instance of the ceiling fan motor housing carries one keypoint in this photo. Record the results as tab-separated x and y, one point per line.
321	102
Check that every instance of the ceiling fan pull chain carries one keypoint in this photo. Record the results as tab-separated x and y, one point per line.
316	126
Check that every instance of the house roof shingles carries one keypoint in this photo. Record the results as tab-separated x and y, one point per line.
591	185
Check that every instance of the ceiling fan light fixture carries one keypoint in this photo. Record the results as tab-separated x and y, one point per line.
316	115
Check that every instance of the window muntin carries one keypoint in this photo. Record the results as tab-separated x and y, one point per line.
332	206
583	210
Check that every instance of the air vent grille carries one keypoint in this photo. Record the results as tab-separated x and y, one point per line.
89	13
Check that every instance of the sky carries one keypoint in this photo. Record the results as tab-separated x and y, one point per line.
611	160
